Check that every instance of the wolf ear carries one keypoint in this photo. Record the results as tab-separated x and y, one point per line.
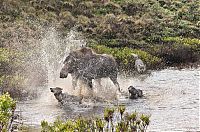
130	87
59	88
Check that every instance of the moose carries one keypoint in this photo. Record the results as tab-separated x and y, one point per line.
87	65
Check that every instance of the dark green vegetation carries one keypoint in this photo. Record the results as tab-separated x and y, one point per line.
7	108
161	32
127	123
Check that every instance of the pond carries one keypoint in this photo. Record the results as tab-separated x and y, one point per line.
171	97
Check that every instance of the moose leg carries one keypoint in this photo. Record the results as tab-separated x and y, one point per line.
89	86
89	82
98	82
74	80
114	80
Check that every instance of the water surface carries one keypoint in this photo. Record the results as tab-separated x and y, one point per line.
171	97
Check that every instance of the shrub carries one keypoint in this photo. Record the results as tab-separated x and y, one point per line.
4	55
67	20
180	40
10	80
107	8
134	7
124	57
83	20
7	107
190	43
180	50
127	123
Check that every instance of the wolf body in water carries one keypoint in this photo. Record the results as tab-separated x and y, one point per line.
64	97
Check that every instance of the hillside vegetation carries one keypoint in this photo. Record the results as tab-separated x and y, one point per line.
161	32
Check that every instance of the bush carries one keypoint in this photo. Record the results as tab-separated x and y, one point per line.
182	49
7	107
10	79
83	20
107	8
18	48
4	55
67	20
126	123
124	57
184	41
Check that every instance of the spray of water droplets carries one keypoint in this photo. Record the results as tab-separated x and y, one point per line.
44	57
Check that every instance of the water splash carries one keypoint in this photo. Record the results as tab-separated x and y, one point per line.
48	57
74	41
53	49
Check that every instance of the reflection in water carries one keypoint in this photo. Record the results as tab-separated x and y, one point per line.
171	98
